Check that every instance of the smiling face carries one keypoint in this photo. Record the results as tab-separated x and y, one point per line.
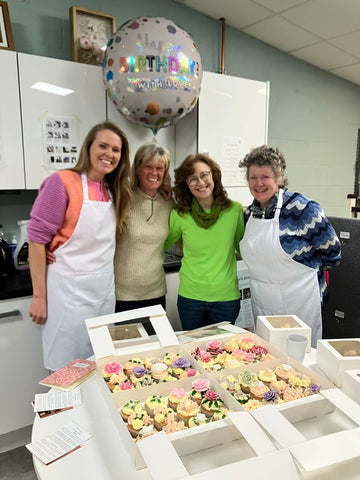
105	154
263	184
201	184
151	176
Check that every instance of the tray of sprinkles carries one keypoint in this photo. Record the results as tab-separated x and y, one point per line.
286	384
193	411
232	351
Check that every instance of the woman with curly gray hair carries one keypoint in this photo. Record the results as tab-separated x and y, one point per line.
288	242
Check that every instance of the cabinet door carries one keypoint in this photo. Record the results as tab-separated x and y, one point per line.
11	151
84	105
21	364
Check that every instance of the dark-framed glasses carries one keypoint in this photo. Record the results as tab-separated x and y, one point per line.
194	179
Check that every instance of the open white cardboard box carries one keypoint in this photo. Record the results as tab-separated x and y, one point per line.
276	328
336	356
351	384
330	440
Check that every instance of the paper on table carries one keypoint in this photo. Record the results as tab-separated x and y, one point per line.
57	400
277	425
59	443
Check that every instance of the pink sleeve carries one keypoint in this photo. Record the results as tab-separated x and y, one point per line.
48	211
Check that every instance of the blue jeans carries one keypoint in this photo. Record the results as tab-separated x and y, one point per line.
196	313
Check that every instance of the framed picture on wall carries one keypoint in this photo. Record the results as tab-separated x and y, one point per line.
6	36
90	31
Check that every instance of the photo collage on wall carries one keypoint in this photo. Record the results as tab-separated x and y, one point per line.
61	142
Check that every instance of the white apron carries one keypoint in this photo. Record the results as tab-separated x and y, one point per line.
279	284
80	284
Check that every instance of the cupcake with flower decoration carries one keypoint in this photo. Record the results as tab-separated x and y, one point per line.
179	366
271	397
214	347
245	343
257	390
145	381
258	351
176	396
187	409
210	403
241	397
312	389
267	376
246	379
146	431
278	386
153	401
130	407
174	426
110	369
199	419
130	364
230	383
231	345
170	357
137	421
163	415
138	373
198	389
190	372
125	385
159	371
220	414
284	372
252	404
116	379
299	380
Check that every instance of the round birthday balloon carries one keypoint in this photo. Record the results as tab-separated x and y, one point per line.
152	72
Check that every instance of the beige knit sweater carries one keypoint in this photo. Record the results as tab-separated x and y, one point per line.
139	255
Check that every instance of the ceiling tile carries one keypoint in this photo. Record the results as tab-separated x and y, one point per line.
329	18
279	5
275	30
350	43
351	73
325	56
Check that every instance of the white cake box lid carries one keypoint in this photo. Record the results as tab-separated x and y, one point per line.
351	384
335	356
276	328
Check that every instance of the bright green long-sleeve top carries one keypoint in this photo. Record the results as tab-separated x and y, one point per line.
208	268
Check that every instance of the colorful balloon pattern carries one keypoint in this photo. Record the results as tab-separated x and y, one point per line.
152	72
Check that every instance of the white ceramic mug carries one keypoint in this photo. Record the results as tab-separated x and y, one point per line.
296	346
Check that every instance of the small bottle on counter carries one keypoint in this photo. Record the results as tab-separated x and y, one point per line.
13	245
21	253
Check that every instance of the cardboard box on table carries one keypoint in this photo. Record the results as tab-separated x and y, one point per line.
351	384
276	328
335	356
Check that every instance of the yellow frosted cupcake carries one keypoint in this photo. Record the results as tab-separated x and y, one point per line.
137	421
257	390
210	403
299	380
162	415
199	419
154	401
186	410
132	406
220	414
130	364
267	376
176	396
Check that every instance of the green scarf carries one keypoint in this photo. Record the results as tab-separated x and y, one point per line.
202	218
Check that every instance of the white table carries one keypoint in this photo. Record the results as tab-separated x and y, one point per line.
104	458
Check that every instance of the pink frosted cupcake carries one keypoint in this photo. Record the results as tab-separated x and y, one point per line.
257	390
211	403
293	394
110	369
284	371
176	396
199	388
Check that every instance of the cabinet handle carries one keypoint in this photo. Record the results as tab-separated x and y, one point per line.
11	313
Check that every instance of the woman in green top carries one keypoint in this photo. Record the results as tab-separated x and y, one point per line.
211	227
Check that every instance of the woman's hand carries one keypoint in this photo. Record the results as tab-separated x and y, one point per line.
50	257
38	311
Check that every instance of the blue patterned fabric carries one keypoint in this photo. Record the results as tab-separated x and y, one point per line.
306	235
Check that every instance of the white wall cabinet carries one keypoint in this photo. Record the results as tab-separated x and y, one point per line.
86	104
21	364
11	150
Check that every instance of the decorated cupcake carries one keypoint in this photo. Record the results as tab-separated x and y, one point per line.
174	426
132	406
284	371
176	396
186	410
214	347
199	388
246	379
159	371
279	386
130	364
154	401
293	393
137	421
312	389
271	397
257	390
190	372
199	419
116	379
146	431
241	397
299	380
230	383
179	366
231	345
125	385
111	369
162	415
252	404
170	357
245	343
267	376
220	414
210	403
145	381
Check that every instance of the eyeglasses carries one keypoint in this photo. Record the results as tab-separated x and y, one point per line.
194	179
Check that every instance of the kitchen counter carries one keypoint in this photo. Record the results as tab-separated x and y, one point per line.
18	283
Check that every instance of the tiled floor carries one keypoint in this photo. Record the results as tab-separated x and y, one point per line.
17	464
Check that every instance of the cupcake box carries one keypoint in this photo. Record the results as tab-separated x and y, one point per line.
351	384
294	410
108	331
185	441
276	328
335	356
